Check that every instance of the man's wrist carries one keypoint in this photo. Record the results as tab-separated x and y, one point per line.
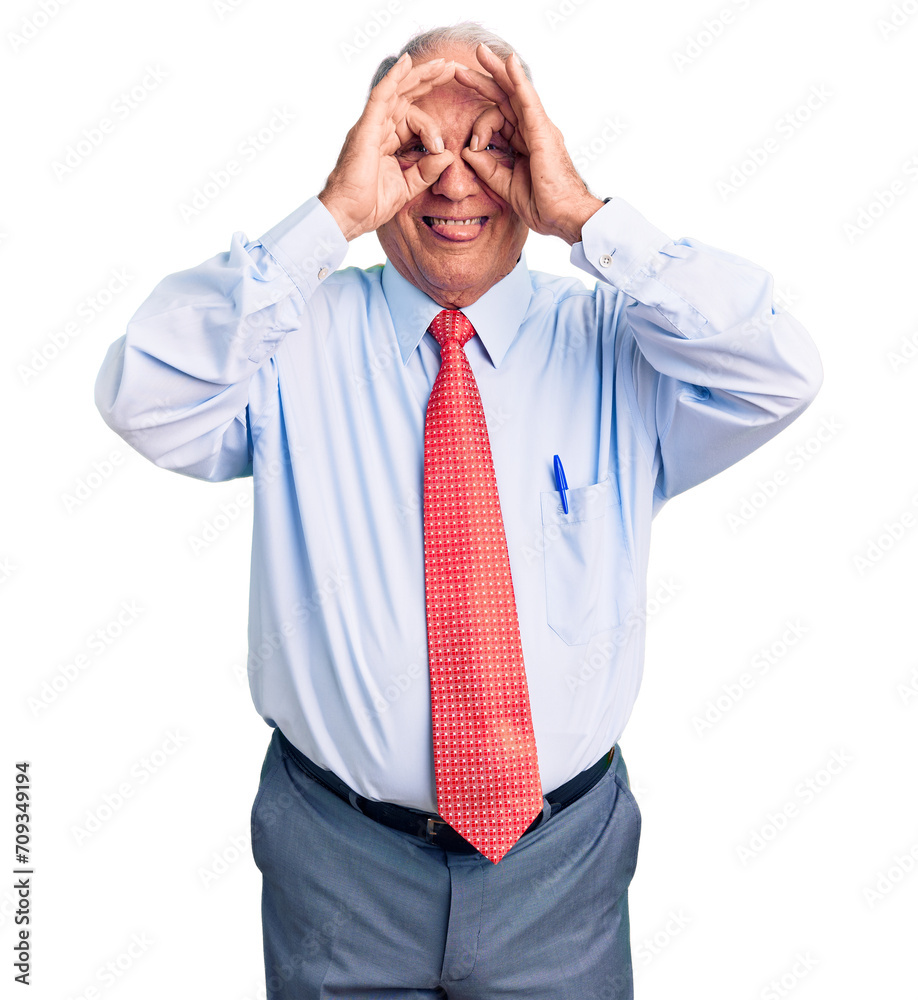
349	230
572	230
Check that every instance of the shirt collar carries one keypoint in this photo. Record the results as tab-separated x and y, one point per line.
496	316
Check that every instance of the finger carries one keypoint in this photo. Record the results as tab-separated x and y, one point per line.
446	73
517	141
515	137
484	84
523	89
403	133
497	68
488	88
413	88
388	85
385	99
408	120
491	120
409	85
419	176
423	126
498	176
512	79
425	77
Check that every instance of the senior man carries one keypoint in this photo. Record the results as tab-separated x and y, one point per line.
456	462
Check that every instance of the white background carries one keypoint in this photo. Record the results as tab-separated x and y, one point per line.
749	570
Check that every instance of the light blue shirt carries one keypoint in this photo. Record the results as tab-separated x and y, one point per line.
267	361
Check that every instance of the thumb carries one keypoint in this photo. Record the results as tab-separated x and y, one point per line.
419	176
496	175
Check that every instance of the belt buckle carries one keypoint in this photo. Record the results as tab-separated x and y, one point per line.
432	823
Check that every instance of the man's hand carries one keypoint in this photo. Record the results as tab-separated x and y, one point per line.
368	186
542	186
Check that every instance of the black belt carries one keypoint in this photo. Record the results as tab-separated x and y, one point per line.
429	826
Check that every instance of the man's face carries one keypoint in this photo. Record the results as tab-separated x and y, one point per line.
431	240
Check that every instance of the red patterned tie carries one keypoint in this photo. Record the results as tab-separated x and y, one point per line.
487	771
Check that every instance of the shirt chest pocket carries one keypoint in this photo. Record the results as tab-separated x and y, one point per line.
589	583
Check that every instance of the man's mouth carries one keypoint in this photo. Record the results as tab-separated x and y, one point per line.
456	230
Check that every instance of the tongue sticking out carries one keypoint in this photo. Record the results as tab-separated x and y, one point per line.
456	230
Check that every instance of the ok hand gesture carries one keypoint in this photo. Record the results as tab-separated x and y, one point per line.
368	186
542	185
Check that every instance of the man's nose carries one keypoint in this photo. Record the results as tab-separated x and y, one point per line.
458	181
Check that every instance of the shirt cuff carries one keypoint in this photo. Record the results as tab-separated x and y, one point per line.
308	245
617	244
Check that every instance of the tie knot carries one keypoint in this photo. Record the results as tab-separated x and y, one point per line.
450	324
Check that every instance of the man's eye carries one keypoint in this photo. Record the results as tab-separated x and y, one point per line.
501	150
412	150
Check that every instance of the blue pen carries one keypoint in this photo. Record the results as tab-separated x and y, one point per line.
561	483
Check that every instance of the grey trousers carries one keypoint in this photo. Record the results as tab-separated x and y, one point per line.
354	910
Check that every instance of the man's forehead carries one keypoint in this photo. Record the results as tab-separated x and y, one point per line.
453	95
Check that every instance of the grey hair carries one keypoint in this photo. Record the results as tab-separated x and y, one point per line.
466	34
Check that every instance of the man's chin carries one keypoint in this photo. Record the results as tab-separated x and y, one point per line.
455	289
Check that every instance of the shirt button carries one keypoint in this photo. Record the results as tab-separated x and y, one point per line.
605	260
323	274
